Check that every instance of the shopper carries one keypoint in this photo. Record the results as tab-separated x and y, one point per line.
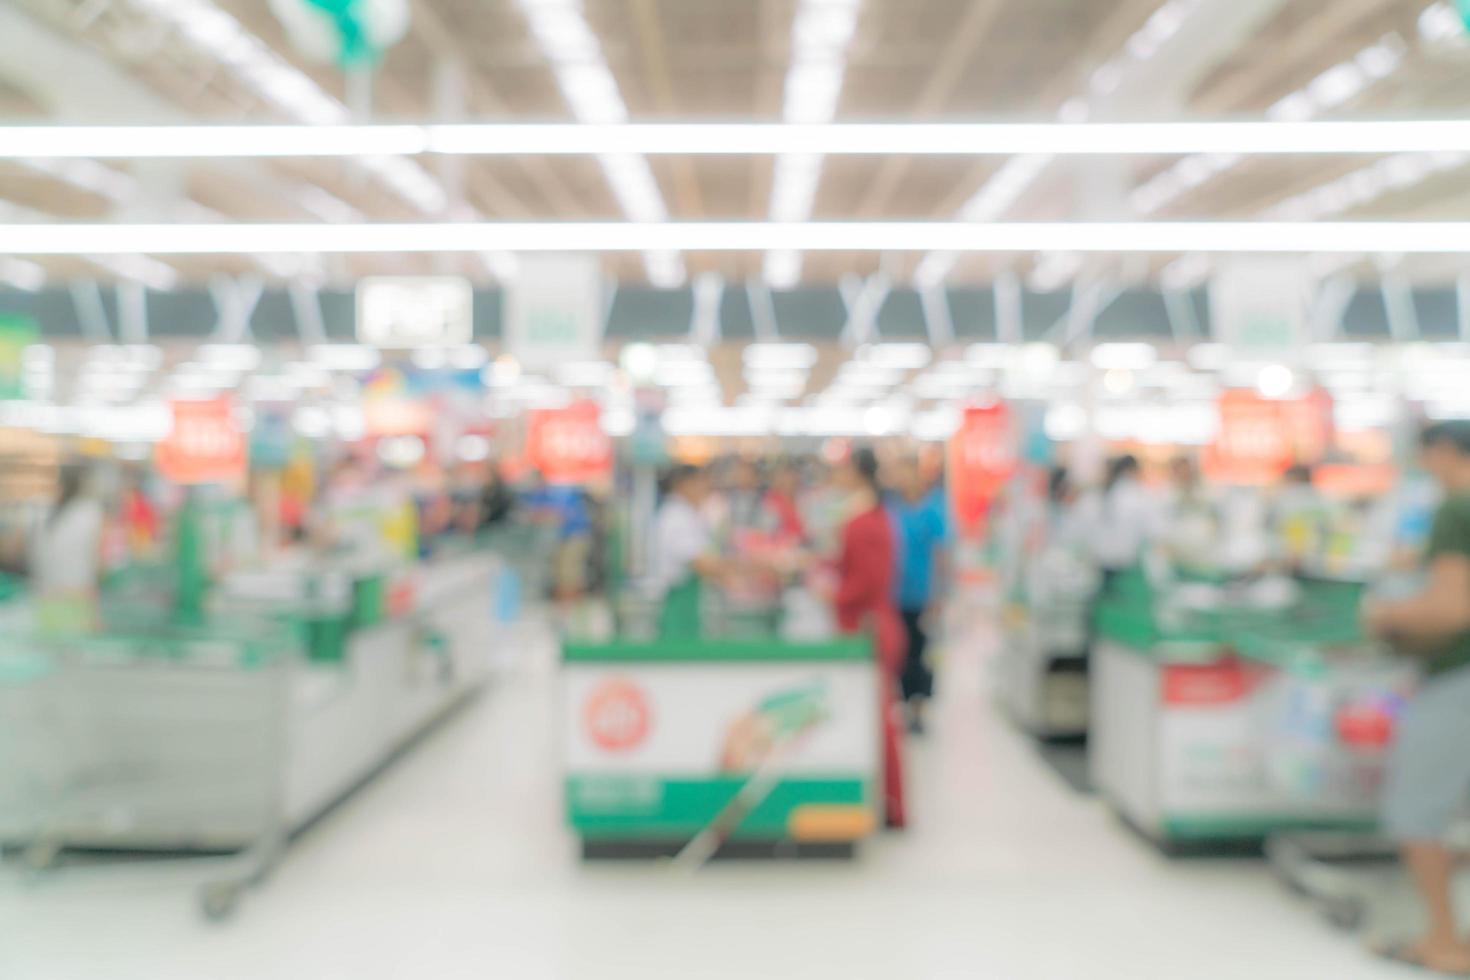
1298	519
1125	520
922	535
496	502
863	601
66	557
1192	523
1064	517
745	498
1428	783
682	553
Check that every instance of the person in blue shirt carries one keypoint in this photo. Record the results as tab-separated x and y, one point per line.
566	509
921	532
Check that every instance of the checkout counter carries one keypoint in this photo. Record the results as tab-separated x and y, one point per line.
1230	713
1042	668
774	742
243	718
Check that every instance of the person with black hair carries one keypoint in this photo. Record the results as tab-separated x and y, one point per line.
922	530
682	552
66	556
864	600
1428	783
1298	518
1124	520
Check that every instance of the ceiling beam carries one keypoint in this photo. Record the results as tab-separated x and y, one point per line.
660	83
1164	83
770	75
1101	44
436	35
958	54
1252	80
93	88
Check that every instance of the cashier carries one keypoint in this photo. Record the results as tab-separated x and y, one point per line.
1428	783
682	554
66	557
1125	520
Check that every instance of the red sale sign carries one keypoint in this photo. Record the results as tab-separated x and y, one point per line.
1259	438
1309	425
567	445
205	445
982	457
1253	445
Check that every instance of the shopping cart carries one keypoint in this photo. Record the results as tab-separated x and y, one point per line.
1333	724
1340	872
169	742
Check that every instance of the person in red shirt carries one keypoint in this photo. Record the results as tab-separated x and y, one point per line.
864	602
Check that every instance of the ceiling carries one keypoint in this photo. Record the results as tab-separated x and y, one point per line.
129	61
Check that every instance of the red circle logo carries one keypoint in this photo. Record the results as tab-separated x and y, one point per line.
617	716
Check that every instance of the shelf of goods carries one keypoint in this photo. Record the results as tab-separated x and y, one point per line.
663	739
1218	721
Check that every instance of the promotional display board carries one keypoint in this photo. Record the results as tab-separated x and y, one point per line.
554	310
568	445
982	457
405	313
205	444
658	738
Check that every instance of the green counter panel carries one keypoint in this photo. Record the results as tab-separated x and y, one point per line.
1203	829
636	807
719	651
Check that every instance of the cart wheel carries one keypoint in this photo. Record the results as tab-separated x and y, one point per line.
41	855
1344	913
218	901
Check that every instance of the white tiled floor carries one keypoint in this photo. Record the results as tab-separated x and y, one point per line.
453	865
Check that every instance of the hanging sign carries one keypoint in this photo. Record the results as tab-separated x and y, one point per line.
349	33
568	445
1259	306
982	457
1259	438
1253	446
554	310
1309	425
205	444
408	312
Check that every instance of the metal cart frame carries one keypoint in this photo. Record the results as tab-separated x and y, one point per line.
94	776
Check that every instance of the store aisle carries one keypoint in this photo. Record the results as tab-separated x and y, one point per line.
453	865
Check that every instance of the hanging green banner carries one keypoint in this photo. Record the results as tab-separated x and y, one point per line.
350	33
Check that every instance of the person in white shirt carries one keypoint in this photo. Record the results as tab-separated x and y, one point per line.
66	557
1125	519
682	553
